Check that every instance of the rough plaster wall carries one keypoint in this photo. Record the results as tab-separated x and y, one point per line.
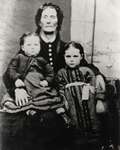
17	17
107	32
81	22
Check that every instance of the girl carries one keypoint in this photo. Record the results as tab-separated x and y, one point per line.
83	87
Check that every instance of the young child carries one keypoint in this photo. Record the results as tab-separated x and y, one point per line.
32	105
30	80
83	87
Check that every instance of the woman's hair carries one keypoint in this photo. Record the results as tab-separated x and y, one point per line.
22	38
42	8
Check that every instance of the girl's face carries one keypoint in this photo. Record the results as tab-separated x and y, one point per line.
72	57
49	20
31	45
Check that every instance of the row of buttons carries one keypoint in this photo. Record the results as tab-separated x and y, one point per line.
50	54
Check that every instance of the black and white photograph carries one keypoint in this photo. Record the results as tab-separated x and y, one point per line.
59	74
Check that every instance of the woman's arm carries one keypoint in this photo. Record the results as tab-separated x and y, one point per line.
49	74
60	81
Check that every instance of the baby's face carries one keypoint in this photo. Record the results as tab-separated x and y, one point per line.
72	57
31	45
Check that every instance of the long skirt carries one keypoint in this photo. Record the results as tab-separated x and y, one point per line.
42	131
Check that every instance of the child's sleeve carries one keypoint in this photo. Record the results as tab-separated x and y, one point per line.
100	87
100	83
60	85
11	74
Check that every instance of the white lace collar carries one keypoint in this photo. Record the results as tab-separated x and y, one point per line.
49	39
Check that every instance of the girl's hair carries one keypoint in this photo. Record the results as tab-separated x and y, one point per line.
42	8
75	45
22	38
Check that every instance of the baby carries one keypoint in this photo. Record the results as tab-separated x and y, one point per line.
29	80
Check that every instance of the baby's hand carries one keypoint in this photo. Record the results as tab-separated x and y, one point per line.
44	83
19	83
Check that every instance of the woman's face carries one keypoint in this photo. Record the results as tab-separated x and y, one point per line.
72	57
49	20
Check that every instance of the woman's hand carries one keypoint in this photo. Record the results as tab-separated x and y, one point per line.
21	97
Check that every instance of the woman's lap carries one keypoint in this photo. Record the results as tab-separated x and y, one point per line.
20	131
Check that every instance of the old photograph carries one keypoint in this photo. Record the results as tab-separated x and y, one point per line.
59	74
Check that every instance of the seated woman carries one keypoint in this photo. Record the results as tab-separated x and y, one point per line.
82	86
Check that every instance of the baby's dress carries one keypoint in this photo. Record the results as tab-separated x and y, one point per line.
41	98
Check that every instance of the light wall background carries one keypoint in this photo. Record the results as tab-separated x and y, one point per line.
107	32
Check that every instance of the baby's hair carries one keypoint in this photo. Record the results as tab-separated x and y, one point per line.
22	38
75	45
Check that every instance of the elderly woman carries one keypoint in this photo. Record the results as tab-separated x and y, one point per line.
48	20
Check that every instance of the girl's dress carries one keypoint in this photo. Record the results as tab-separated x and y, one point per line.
78	87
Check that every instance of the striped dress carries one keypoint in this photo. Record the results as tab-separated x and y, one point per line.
78	87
